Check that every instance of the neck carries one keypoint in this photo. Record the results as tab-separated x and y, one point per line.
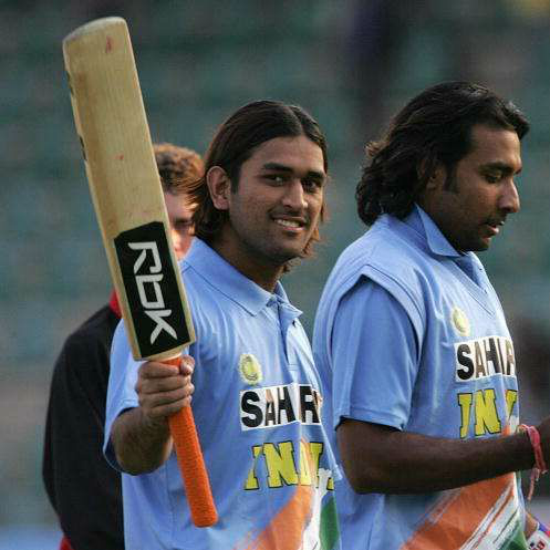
264	273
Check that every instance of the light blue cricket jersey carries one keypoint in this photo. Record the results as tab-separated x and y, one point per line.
410	334
257	410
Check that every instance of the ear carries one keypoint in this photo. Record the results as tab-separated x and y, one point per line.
437	177
219	186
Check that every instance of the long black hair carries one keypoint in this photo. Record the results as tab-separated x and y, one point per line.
434	127
235	142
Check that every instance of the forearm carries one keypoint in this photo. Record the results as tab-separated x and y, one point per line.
141	436
141	444
389	461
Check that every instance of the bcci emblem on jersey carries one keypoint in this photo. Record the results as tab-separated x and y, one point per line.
250	369
460	322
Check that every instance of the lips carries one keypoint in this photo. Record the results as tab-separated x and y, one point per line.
291	223
494	226
492	230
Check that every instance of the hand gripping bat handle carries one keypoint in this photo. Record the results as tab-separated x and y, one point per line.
191	463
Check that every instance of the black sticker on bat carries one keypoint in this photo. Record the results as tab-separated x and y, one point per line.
151	288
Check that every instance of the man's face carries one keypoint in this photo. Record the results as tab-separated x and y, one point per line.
471	204
181	224
277	203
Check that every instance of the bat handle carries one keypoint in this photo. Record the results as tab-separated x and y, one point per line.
191	463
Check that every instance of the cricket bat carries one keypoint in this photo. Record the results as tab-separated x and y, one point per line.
129	204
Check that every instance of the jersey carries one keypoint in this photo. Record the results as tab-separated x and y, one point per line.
410	334
83	489
256	405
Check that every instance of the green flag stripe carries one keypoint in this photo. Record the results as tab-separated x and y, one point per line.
329	526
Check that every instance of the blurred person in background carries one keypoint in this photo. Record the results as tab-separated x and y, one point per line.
83	489
410	339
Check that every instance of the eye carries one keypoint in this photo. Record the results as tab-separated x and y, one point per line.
312	184
182	225
275	179
493	178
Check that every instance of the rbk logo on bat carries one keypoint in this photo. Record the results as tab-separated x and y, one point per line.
151	287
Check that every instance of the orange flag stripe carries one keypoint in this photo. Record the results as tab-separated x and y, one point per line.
453	521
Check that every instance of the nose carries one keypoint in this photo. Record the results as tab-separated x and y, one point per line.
177	243
509	200
294	197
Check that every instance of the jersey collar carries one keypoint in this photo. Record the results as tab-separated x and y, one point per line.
438	245
223	276
435	240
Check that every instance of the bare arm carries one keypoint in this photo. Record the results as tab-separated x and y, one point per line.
141	436
380	459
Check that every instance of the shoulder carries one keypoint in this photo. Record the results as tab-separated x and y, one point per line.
384	254
196	281
217	293
205	297
96	331
387	255
83	362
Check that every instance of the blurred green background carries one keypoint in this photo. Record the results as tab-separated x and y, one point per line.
350	63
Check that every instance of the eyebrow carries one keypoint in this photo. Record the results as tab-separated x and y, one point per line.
501	167
275	166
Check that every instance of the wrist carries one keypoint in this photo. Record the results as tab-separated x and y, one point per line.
540	464
534	438
154	425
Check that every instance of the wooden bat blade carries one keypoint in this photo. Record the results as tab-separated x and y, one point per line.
125	187
129	204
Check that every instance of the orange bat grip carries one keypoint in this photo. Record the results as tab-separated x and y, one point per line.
191	463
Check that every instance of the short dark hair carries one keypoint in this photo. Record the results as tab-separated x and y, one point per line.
434	127
179	167
235	142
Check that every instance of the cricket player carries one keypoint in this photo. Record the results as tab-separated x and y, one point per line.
418	364
255	391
